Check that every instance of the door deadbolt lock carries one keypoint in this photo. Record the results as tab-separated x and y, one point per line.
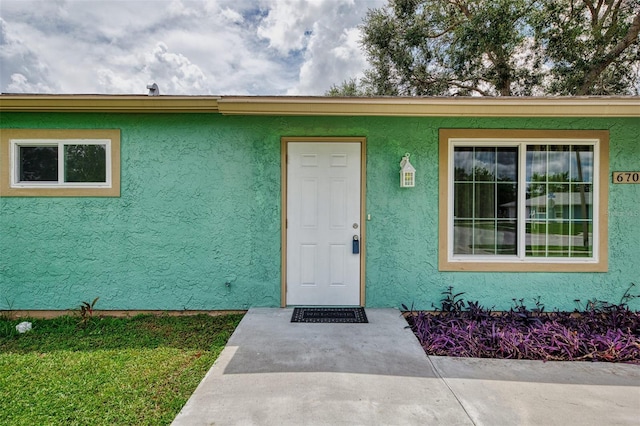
355	226
356	245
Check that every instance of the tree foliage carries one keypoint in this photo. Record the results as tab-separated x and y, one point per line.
593	46
499	48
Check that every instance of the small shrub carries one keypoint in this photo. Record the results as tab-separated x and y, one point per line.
86	311
452	302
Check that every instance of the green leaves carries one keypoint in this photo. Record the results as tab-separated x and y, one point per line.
86	311
592	46
500	48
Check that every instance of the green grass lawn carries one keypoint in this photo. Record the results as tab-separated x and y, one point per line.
109	371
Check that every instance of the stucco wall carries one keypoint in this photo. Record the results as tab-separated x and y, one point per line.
200	208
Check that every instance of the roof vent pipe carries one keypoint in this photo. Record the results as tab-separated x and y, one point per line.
153	89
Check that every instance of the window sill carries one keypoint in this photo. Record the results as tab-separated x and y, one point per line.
59	192
525	266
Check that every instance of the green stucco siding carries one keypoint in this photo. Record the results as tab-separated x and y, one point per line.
197	225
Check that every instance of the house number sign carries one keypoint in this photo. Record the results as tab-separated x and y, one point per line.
626	177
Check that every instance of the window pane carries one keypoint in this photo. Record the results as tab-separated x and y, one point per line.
558	209
581	238
463	201
506	237
558	165
536	161
558	239
463	164
581	163
582	201
485	200
85	163
485	192
485	164
484	237
38	163
463	237
535	239
507	194
536	189
507	164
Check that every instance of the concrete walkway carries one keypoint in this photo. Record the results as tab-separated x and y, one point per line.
274	372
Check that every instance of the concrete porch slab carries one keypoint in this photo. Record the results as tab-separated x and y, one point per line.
274	372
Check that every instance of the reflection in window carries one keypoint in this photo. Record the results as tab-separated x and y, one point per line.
82	163
39	163
554	208
559	203
485	193
547	210
85	163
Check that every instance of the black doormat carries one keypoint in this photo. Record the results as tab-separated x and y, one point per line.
334	315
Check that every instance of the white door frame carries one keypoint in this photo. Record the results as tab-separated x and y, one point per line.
283	226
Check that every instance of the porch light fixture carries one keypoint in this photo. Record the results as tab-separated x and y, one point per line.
407	173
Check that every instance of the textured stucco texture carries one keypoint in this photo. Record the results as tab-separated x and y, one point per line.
197	225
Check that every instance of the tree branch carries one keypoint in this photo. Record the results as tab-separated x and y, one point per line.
617	50
473	88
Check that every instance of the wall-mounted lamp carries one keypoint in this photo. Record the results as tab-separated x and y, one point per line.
407	173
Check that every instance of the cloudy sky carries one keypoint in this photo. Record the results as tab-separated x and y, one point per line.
187	47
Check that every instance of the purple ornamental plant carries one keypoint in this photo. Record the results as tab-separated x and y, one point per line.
608	332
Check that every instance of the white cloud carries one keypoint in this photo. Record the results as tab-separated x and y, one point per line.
333	52
21	70
21	84
173	72
257	47
289	23
324	67
231	16
111	82
174	69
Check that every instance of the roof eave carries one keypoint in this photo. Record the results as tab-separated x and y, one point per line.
434	107
109	103
331	106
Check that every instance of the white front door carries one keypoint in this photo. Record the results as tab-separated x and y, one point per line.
323	217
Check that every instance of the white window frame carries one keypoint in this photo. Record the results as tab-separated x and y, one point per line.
16	144
451	138
12	139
